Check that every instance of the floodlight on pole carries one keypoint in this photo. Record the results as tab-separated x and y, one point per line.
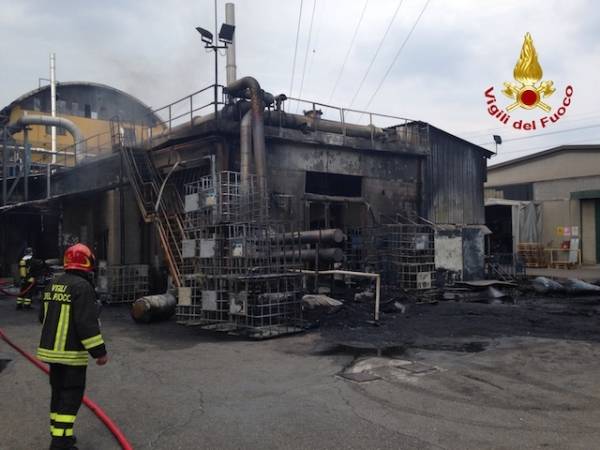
225	36
497	141
226	33
207	36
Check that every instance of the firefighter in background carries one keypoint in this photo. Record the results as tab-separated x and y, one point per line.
70	332
27	279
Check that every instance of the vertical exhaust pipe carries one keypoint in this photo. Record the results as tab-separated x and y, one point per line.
245	149
53	102
231	68
239	88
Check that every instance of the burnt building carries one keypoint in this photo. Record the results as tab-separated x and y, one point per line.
407	196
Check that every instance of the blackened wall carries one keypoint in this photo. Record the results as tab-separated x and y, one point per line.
390	181
454	175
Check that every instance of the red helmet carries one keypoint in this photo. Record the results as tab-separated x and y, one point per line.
79	257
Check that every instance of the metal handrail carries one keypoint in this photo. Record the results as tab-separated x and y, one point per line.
343	115
344	111
148	124
165	230
212	86
167	125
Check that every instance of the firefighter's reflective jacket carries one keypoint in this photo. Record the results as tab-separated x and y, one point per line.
25	268
70	322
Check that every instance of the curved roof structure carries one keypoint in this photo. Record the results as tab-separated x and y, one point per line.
83	98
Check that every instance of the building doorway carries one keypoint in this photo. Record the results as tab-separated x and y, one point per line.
498	219
590	230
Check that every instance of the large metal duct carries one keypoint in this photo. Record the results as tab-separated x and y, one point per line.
238	89
302	122
60	122
334	235
245	149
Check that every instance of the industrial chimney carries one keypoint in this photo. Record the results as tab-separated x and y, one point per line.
231	68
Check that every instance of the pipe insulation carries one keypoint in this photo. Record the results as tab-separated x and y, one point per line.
53	102
302	122
34	119
310	254
257	105
245	150
334	235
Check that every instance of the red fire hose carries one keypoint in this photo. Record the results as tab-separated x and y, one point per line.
19	294
99	412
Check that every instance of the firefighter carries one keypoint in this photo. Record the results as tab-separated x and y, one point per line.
26	278
70	331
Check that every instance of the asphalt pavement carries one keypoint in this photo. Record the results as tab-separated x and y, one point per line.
172	387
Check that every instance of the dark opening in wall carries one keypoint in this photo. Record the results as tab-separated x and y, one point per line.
333	184
523	192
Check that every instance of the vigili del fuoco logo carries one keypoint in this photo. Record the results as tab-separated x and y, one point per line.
530	92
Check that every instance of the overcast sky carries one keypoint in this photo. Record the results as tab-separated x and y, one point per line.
457	50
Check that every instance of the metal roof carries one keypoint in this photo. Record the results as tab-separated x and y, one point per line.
545	153
6	110
479	148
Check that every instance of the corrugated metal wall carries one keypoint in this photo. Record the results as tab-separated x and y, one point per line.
454	177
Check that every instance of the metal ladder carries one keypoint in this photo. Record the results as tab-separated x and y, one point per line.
145	180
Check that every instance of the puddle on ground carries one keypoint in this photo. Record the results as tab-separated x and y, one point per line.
358	350
461	347
4	363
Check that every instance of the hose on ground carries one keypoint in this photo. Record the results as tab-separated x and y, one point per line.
92	406
19	294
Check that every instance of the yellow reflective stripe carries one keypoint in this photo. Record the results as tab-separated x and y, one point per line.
65	418
59	432
63	354
92	342
66	326
72	358
63	328
66	361
59	327
52	415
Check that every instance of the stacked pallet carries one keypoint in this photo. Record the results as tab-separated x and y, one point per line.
532	254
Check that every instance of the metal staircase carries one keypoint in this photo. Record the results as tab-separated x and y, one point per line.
167	212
